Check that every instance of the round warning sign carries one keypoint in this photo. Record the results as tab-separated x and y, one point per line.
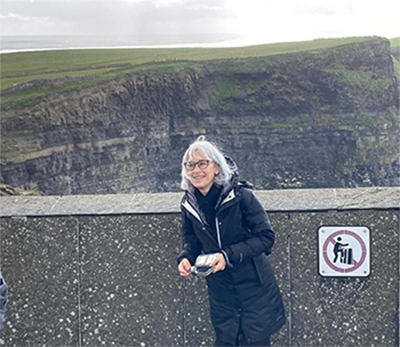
344	251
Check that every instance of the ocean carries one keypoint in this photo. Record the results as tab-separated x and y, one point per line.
11	44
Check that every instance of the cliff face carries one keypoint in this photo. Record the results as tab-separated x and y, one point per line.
325	119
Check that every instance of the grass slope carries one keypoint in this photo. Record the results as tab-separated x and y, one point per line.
28	77
395	49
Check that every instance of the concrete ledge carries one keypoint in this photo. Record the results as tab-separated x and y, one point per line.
272	200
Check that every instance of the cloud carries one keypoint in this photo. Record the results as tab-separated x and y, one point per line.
117	17
255	20
15	16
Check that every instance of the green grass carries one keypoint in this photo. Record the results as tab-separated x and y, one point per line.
396	66
14	81
225	88
32	95
53	61
363	80
97	65
395	42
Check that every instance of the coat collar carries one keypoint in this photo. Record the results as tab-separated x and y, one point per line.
231	195
192	210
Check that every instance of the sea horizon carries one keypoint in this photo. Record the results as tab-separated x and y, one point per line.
26	43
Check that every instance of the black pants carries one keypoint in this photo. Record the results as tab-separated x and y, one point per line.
263	343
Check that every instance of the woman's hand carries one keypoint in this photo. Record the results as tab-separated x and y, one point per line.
184	268
219	263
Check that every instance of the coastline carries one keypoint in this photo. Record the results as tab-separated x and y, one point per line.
16	44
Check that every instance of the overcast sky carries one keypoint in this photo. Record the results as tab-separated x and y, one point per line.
250	21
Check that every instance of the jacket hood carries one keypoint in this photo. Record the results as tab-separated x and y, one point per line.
235	175
235	171
234	181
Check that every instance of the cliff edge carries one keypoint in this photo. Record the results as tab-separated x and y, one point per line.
322	119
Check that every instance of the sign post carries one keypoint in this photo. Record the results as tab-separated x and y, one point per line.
344	251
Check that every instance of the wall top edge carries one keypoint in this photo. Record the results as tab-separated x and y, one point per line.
290	200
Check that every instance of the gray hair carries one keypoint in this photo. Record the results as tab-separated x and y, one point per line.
210	152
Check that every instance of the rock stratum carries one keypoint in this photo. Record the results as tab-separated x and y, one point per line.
322	119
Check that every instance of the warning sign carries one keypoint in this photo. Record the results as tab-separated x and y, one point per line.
344	251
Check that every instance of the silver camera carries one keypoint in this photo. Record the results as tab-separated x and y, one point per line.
202	266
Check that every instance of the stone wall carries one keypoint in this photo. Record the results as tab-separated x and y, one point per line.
101	271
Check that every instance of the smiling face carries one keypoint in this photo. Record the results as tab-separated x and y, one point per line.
202	179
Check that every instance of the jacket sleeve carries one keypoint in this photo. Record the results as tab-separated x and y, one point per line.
261	236
191	245
3	300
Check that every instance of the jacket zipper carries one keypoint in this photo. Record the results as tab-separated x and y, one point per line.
228	198
193	211
218	233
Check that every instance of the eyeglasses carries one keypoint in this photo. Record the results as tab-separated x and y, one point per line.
202	164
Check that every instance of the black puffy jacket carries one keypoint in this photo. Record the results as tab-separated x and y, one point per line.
3	300
246	293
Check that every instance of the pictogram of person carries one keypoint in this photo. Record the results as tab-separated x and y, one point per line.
338	248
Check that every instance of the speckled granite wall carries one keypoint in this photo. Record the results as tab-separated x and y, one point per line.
39	258
131	292
111	280
345	311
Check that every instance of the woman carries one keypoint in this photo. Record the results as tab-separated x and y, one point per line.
221	214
